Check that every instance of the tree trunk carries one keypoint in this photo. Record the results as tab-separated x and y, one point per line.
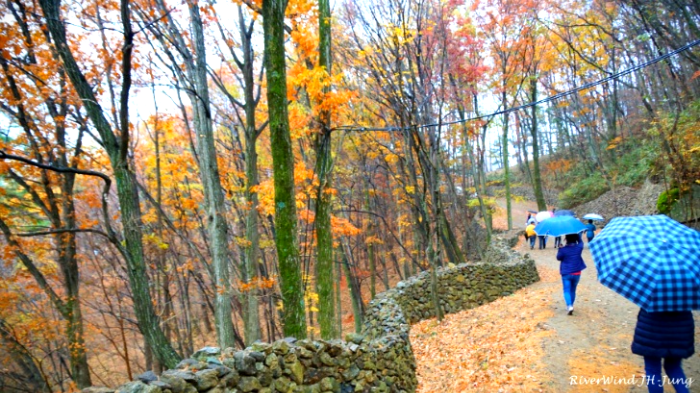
536	175
69	265
339	303
355	293
324	237
283	165
251	316
449	240
433	252
324	165
33	377
213	194
371	258
506	165
476	168
149	322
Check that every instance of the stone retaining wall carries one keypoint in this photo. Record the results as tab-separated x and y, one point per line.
379	360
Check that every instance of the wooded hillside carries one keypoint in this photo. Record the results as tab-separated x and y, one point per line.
181	174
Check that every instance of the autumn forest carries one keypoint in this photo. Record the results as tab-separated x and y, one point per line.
181	174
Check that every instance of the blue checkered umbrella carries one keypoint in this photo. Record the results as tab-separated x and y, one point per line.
653	261
559	226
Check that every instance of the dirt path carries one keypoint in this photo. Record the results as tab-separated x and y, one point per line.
595	341
526	342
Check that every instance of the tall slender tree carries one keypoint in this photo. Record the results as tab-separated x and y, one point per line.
209	173
294	318
324	164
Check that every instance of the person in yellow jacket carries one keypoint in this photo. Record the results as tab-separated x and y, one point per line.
530	232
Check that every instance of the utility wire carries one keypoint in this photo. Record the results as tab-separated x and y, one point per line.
535	103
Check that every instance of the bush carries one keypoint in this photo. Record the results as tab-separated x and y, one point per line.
636	164
667	199
496	180
586	190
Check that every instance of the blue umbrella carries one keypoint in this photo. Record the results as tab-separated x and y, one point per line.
564	213
559	226
650	260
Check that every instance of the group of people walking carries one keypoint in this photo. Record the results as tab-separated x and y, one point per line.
661	338
531	235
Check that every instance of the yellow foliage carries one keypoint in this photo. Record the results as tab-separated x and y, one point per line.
242	241
373	240
613	143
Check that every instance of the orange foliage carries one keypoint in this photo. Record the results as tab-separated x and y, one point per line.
257	283
343	227
561	165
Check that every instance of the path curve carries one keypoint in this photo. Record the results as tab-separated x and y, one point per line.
596	339
586	352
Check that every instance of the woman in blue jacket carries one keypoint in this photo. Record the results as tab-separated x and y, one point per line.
570	268
590	230
669	336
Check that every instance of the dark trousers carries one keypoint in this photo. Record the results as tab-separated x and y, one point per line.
676	377
557	241
543	242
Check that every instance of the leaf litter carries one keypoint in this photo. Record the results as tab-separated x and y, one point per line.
499	347
496	347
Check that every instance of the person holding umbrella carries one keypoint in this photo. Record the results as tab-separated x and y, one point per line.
570	255
590	230
570	268
652	261
530	232
557	240
540	218
667	336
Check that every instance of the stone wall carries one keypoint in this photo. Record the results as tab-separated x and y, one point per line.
379	360
469	286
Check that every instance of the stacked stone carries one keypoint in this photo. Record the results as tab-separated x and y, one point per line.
463	287
501	252
358	365
379	360
386	330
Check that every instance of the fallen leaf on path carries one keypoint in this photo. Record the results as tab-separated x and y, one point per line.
493	348
596	371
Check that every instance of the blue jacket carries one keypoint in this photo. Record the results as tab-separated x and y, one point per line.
590	230
664	334
570	257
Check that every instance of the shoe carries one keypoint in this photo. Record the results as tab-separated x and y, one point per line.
571	310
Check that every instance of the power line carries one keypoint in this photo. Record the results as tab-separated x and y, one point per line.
534	103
